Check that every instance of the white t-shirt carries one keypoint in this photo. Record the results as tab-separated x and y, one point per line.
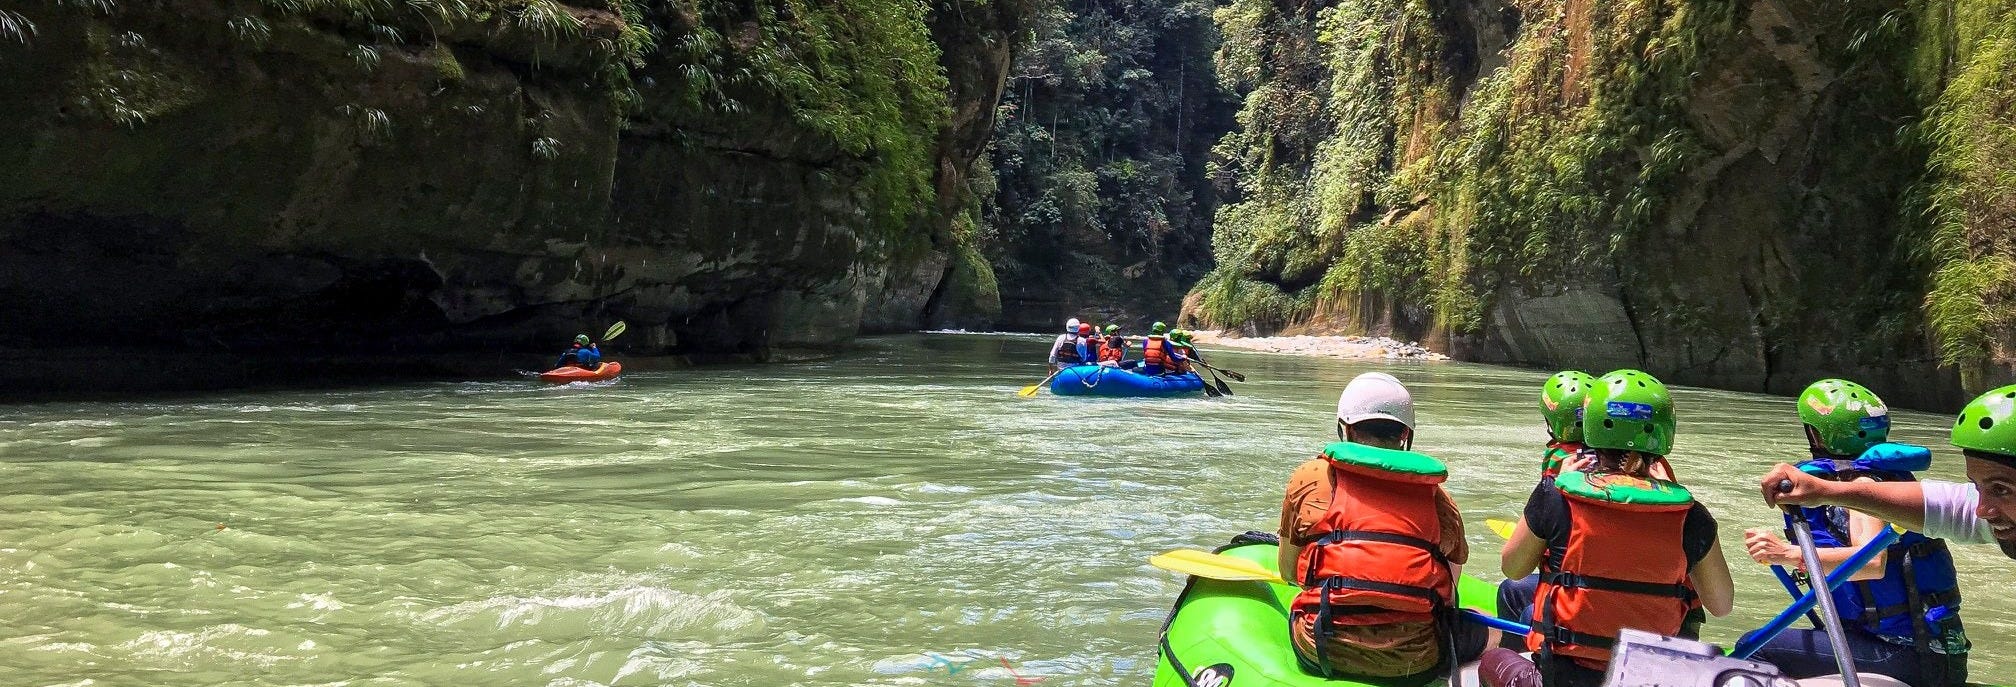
1949	513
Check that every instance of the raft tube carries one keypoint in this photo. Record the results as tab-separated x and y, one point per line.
568	374
1100	380
1235	634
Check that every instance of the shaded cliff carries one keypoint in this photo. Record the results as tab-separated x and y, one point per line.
1744	194
365	176
1102	204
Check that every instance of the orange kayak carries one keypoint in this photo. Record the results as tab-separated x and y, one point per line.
579	374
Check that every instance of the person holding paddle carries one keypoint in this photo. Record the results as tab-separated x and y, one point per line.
1376	545
1900	614
584	354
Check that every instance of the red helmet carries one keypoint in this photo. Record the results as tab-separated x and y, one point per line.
1084	329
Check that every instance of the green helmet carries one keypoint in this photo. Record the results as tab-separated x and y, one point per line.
1112	328
1629	410
1179	336
581	339
1846	417
1561	403
1158	328
1988	423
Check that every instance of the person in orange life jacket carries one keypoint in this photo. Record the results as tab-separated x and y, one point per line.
1158	356
1064	351
1113	349
1186	353
1615	545
1376	545
1561	398
1900	614
584	353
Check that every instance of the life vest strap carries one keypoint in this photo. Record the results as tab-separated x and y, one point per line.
1569	580
1556	634
1338	536
1432	596
1945	598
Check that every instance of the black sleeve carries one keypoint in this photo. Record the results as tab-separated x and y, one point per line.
1546	513
1698	535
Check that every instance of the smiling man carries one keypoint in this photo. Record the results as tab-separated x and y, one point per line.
1976	513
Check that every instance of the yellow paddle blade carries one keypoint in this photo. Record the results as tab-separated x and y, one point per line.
616	330
1213	566
1028	391
1502	527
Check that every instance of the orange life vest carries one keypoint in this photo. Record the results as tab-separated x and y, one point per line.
1114	350
1624	567
1375	557
1155	351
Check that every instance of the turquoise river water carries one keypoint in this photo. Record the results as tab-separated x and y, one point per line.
878	519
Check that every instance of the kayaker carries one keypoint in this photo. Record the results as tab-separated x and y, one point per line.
1158	356
1376	545
1064	352
1616	546
1113	348
1977	513
583	353
1901	612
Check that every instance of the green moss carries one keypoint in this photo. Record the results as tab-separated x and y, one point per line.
1970	193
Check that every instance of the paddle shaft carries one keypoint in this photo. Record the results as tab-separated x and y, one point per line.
1031	389
1844	659
1234	375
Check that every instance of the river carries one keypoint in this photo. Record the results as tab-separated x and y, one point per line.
895	516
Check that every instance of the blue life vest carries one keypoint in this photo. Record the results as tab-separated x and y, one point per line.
588	357
1918	597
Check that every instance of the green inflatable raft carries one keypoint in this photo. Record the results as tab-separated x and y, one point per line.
1235	634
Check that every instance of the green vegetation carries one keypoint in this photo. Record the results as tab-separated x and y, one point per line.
1101	196
1970	194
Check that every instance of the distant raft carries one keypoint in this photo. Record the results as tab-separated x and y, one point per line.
581	374
1099	380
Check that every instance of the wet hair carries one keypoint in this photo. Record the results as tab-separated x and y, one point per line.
1617	461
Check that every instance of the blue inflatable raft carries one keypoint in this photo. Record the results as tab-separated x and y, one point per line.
1099	380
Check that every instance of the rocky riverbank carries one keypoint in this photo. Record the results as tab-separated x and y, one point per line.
1325	346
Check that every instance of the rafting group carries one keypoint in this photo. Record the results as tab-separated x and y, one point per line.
1087	360
1366	568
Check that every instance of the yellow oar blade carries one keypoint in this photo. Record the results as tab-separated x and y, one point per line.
1028	391
1503	528
616	330
1211	565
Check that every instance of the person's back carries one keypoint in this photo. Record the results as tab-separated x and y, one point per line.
1615	546
1113	348
1064	351
1376	545
1155	351
573	354
1901	612
589	356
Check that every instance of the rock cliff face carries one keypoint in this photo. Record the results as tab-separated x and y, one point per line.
338	176
1731	193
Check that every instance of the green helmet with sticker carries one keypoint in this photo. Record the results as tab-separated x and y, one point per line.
1561	403
1988	423
1158	328
581	339
1846	417
1629	410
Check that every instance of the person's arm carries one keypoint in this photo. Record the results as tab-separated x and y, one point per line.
1899	502
1712	581
1056	346
1767	548
1522	552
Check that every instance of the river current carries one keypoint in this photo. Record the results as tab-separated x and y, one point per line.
894	516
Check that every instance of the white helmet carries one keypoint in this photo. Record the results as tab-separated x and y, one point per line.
1071	325
1375	396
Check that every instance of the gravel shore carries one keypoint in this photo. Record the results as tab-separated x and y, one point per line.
1325	346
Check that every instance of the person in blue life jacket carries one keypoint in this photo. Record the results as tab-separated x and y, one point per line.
1901	612
584	354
